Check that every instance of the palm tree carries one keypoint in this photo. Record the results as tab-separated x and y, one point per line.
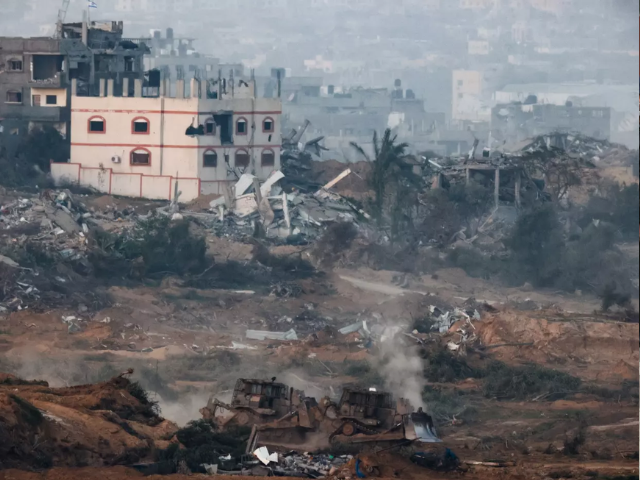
386	166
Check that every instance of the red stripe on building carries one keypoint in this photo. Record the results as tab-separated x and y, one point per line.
132	145
174	112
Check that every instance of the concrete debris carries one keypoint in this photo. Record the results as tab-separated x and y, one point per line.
311	466
282	336
241	346
9	262
379	287
355	327
323	192
244	184
286	290
63	220
267	186
443	321
245	205
265	457
282	214
210	469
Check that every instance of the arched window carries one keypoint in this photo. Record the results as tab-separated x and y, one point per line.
210	126
210	159
97	125
14	96
268	158
242	159
140	126
242	126
268	125
141	157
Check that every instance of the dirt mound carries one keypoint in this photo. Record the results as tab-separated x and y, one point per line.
109	423
607	347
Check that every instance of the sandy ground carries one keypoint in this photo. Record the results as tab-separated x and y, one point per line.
194	342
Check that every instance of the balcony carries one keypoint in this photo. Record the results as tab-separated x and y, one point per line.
53	82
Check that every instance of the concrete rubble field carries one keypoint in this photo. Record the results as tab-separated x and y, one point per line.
284	328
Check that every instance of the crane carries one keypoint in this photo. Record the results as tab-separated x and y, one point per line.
62	15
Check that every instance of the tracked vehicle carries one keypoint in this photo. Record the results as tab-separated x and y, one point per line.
282	417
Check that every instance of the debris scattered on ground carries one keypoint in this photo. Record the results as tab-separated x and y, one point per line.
283	336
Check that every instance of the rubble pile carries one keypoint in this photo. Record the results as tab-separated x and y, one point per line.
293	216
585	147
305	465
50	232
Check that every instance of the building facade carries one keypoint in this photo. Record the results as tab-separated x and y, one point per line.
32	88
140	147
516	122
36	73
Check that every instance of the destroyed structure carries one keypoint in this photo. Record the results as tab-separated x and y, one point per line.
99	51
33	89
36	73
516	122
141	146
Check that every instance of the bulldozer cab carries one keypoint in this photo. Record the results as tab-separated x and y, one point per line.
260	394
367	405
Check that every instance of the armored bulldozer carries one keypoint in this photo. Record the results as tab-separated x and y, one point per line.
282	417
254	402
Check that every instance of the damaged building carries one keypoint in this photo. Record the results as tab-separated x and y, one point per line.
33	87
142	146
515	122
99	51
36	73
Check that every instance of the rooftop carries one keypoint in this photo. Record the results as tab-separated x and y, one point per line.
572	88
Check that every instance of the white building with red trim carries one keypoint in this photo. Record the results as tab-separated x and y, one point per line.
140	146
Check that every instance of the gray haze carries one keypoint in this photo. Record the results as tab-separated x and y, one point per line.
539	44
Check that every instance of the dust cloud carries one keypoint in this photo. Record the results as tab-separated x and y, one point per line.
185	409
401	368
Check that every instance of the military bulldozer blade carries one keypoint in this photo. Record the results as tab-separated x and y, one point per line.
419	427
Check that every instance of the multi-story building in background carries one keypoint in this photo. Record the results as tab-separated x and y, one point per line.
37	73
141	146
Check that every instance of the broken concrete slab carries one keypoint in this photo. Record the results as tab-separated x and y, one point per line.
354	327
9	262
261	335
63	220
266	212
242	185
218	202
379	287
266	187
246	205
265	457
